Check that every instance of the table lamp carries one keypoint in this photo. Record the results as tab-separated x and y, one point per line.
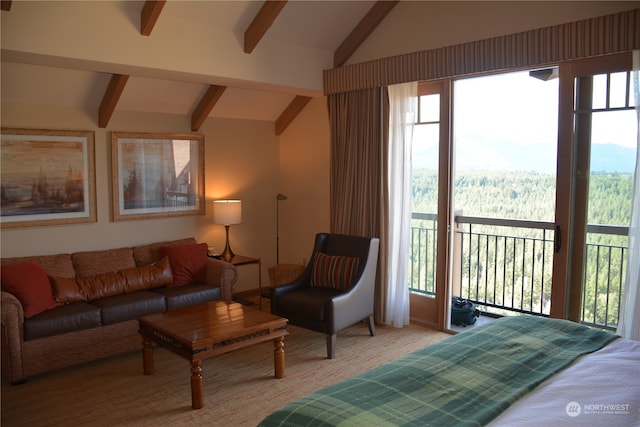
227	212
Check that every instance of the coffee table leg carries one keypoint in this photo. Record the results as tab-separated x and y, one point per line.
278	356
147	356
197	387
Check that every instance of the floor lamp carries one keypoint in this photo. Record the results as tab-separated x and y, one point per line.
279	197
281	274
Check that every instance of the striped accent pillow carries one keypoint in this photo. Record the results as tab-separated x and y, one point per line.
337	272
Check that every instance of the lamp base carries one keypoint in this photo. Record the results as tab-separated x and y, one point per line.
227	254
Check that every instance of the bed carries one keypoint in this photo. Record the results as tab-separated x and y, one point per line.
522	370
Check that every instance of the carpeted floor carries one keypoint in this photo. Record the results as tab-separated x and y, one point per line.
239	387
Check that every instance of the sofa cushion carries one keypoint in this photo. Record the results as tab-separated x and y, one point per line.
120	308
62	319
334	271
188	263
187	295
55	265
30	284
110	284
148	254
92	263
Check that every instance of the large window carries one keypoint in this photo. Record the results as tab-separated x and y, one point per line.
505	134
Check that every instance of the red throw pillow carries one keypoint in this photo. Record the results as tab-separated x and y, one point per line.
188	263
30	284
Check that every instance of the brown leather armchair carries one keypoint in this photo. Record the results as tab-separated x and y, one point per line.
349	264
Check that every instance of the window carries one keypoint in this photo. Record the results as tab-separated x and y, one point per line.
425	146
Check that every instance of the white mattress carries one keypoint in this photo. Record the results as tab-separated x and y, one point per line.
598	389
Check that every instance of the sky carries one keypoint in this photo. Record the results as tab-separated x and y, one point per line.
509	121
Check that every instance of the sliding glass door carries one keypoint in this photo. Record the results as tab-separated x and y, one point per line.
428	263
504	139
598	143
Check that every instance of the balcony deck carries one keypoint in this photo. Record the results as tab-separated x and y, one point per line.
482	320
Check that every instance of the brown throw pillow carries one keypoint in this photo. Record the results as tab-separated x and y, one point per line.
150	276
334	271
66	290
109	284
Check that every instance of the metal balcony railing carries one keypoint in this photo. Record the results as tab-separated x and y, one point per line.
506	266
422	262
604	281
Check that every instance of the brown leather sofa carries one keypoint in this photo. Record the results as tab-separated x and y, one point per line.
97	308
336	289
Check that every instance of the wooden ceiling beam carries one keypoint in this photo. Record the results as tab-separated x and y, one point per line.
290	113
206	104
111	98
261	23
5	5
363	30
149	15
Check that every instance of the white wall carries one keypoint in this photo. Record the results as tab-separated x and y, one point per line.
304	179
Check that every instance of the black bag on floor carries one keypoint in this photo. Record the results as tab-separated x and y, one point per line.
463	312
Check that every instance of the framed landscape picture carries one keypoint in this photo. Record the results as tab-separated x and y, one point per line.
47	177
157	175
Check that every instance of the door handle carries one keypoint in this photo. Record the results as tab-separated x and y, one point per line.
558	239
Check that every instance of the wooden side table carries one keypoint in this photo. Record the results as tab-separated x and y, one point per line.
238	260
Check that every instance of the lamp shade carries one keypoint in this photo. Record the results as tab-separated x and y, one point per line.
227	212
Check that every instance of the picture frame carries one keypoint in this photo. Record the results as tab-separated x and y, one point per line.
157	175
47	177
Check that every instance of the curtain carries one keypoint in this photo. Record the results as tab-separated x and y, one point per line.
629	322
402	114
358	123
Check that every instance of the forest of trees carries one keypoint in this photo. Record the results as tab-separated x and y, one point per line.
524	195
510	267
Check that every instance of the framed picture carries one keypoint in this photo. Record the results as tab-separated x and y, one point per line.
157	175
47	177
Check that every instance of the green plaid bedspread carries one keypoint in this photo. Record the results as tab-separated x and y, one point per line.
465	380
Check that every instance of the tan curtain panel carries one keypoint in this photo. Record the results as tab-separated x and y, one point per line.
358	178
582	39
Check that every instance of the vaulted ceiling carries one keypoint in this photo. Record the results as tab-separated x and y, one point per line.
315	26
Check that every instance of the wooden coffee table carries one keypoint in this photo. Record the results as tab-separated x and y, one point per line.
206	330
